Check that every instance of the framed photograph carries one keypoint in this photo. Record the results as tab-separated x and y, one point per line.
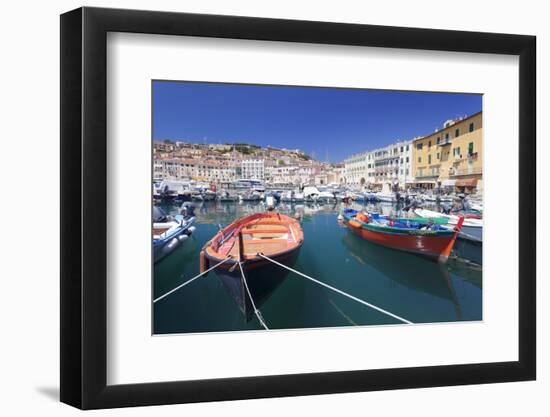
256	208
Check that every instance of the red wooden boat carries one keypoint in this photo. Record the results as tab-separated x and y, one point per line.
274	235
418	236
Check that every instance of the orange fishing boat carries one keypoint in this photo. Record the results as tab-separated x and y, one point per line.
424	237
274	235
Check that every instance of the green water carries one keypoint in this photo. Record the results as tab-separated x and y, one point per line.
409	286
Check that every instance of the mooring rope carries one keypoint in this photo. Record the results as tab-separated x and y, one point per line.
339	291
256	311
191	280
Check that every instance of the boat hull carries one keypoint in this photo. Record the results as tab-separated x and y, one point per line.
262	276
435	245
469	249
164	247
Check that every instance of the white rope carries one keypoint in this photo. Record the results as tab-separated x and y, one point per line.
339	291
256	311
191	280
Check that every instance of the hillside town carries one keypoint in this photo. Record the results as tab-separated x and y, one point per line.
224	163
450	158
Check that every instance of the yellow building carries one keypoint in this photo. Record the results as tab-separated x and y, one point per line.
452	156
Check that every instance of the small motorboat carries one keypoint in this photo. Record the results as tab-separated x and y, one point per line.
250	196
271	234
170	231
286	196
209	195
326	196
423	237
386	197
225	197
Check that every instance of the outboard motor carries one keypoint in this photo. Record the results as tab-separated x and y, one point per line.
159	216
187	210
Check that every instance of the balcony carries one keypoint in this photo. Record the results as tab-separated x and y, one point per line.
465	171
427	176
444	142
472	156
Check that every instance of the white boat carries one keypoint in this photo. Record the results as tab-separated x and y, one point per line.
226	197
386	197
471	228
292	197
169	232
298	197
326	196
287	196
250	196
475	205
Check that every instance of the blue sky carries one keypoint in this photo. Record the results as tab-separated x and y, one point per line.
319	121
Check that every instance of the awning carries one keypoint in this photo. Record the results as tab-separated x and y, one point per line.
467	182
448	183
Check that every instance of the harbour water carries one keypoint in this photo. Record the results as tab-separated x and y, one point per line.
409	286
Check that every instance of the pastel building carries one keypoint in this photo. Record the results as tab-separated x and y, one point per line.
451	157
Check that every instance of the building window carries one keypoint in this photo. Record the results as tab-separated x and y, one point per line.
470	148
419	159
419	146
429	159
458	151
407	148
457	133
429	144
446	136
438	140
407	160
401	149
471	128
438	156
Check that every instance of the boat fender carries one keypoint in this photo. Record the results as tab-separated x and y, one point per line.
191	229
183	237
172	244
203	262
363	217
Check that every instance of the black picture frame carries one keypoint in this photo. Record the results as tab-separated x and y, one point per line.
84	207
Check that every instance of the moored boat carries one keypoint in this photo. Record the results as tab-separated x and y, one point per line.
169	232
271	234
225	197
471	228
418	236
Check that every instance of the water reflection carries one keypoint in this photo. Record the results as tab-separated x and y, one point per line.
411	271
407	285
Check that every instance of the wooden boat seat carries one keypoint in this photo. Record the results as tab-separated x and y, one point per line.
266	230
266	226
251	247
266	242
268	235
